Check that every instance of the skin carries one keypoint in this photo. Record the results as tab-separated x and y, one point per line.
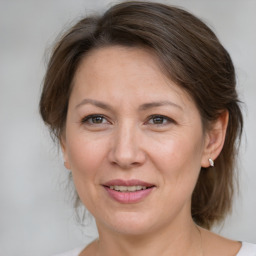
125	142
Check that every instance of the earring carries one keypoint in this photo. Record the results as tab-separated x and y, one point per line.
211	162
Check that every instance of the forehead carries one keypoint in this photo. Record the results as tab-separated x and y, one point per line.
126	59
127	69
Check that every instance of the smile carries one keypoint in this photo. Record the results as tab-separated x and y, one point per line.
128	188
128	191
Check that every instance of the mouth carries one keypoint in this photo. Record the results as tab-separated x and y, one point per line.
128	188
128	191
128	185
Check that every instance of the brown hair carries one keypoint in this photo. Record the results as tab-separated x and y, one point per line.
189	53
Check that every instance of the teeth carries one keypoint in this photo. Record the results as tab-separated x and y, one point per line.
128	188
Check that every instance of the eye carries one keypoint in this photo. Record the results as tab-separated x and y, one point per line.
159	120
94	120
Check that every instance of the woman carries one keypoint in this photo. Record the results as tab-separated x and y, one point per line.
144	105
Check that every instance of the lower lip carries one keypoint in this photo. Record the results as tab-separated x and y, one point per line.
129	197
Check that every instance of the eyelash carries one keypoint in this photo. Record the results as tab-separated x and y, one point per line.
165	120
87	119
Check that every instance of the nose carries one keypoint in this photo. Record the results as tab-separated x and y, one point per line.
126	151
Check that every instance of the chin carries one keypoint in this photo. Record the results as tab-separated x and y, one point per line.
129	223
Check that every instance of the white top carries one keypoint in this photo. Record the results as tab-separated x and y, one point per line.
247	249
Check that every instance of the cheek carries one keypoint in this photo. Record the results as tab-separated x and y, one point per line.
86	160
85	156
179	160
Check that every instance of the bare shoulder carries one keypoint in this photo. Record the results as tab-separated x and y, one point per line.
90	249
214	244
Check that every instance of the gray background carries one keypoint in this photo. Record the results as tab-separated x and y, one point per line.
36	215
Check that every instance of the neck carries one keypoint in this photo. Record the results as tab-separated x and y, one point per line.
179	239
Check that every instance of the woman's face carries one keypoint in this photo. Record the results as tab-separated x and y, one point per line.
133	141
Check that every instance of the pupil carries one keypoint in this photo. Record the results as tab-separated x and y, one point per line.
158	120
97	119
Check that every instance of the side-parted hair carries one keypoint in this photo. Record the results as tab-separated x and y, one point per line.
190	55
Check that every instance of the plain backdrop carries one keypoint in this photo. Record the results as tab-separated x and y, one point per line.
36	214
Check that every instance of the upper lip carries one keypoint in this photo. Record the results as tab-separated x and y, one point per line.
133	182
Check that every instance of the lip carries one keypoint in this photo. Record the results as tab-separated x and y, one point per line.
128	197
119	182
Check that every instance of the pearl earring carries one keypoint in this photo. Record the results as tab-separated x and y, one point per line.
211	162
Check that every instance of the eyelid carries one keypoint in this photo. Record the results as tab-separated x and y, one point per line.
86	118
170	120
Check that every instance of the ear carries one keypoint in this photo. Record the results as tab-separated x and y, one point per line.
64	152
215	138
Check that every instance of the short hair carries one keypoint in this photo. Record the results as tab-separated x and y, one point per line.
189	53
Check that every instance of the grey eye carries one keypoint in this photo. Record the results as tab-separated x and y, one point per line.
158	120
94	119
97	119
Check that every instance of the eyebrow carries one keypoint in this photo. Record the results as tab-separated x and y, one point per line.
143	107
95	103
158	104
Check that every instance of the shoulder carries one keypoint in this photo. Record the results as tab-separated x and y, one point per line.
74	252
214	244
218	245
247	249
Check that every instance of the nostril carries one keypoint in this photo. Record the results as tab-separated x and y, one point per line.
125	164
